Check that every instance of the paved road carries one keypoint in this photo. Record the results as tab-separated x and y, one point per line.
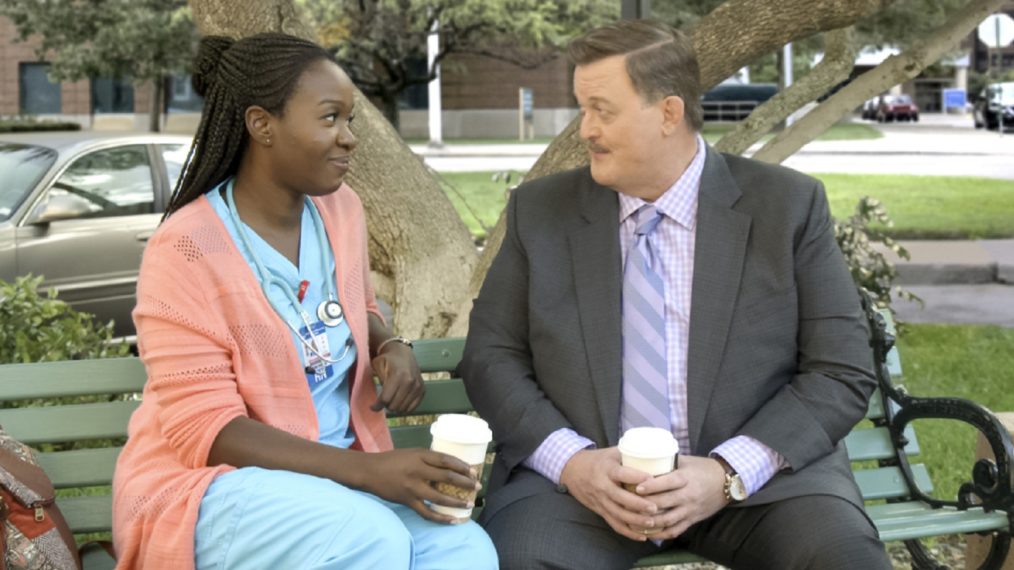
937	145
945	145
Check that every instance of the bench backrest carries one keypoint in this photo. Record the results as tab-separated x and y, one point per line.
103	425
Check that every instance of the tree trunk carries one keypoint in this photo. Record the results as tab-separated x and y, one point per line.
390	101
421	252
155	114
892	71
839	58
731	36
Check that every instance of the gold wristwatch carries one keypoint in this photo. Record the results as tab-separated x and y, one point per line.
735	490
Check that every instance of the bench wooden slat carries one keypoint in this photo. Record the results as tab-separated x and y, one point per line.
93	513
876	409
438	354
80	467
905	521
68	423
875	443
889	483
97	559
71	378
443	397
411	436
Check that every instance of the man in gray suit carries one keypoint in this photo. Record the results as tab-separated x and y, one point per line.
669	285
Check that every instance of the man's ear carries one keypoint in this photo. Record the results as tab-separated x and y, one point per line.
672	113
259	124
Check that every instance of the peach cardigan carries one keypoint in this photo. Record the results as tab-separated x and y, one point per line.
214	349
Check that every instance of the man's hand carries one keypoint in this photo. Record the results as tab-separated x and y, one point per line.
595	478
688	495
399	375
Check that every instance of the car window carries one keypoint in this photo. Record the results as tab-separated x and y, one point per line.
21	168
174	155
106	183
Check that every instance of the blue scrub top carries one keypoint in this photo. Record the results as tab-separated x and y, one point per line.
330	391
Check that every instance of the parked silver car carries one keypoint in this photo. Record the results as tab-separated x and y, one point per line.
78	208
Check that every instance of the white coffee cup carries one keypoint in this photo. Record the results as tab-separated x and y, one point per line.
649	449
467	438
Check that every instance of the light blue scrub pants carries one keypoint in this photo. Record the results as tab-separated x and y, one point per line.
259	518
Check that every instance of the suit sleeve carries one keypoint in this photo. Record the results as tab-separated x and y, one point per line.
828	395
497	364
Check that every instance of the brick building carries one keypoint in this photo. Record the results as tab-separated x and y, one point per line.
106	103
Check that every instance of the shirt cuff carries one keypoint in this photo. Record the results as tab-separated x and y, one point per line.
555	451
755	462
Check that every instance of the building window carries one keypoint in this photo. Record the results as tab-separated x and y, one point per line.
416	96
112	95
38	93
180	96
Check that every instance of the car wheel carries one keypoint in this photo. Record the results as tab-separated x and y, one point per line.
915	118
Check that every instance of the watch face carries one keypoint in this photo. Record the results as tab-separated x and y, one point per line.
737	490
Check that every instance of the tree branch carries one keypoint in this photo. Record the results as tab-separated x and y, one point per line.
839	58
892	71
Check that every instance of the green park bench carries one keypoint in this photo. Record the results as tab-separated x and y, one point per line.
881	449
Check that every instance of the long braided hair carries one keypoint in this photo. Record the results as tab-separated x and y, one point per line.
232	75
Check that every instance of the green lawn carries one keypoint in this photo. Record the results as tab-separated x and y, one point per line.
921	206
487	140
965	361
930	207
844	130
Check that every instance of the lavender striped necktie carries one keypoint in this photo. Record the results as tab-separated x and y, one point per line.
645	382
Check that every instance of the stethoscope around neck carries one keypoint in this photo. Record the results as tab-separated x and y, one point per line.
329	311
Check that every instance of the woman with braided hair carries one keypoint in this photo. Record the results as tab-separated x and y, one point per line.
260	441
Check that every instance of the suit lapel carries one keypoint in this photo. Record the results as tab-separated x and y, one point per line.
720	247
595	250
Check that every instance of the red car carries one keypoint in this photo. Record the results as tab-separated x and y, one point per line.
897	107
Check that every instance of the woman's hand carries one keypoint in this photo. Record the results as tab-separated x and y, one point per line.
405	476
402	384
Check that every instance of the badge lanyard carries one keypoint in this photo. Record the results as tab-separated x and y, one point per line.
329	311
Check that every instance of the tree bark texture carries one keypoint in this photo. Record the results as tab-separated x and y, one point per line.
733	35
740	31
237	19
839	58
893	70
421	253
157	104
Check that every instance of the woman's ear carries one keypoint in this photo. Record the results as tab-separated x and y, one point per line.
672	113
259	123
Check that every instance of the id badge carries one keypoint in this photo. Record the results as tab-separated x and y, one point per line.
316	336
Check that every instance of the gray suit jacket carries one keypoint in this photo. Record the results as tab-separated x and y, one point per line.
778	346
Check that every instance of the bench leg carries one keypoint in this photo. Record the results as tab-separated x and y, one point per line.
982	549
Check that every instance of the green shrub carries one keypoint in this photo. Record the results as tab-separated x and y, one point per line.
35	327
29	124
870	269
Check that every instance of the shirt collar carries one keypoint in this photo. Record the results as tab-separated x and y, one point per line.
679	201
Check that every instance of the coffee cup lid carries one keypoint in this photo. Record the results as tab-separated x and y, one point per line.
461	428
648	442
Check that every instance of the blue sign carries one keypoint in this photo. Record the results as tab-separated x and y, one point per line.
955	99
527	103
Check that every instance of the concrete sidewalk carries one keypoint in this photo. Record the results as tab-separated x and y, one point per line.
955	262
